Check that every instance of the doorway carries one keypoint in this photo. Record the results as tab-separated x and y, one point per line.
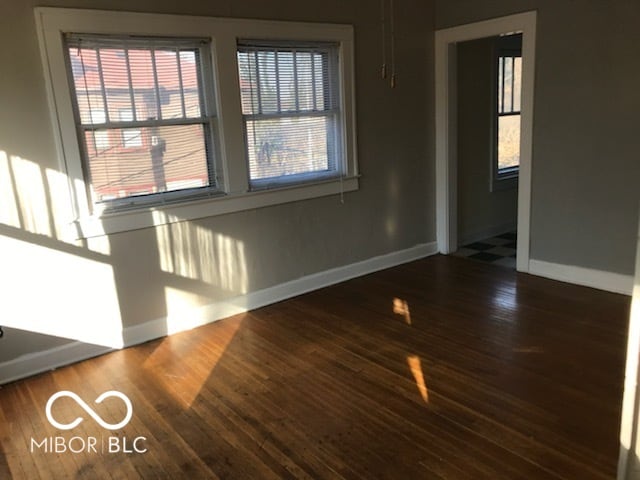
446	45
489	86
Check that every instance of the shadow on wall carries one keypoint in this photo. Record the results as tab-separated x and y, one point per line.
92	289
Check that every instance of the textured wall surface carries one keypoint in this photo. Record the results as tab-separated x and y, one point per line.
586	165
211	259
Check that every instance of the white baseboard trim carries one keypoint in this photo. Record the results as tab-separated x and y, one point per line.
38	362
209	313
600	279
489	232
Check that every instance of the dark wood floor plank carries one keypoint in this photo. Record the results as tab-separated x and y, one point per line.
441	368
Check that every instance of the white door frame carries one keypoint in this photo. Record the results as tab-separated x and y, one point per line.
446	125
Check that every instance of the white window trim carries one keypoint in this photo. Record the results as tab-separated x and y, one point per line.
224	33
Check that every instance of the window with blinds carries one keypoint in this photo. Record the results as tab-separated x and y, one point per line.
509	66
144	111
290	106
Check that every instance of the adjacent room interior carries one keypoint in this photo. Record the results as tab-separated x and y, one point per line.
238	239
489	85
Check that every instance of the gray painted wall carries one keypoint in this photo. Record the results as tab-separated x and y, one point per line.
479	210
586	160
271	245
586	170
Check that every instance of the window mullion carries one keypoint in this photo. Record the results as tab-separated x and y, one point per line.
502	71
258	87
513	82
313	81
131	91
278	103
102	87
146	123
295	80
295	114
235	168
180	83
155	82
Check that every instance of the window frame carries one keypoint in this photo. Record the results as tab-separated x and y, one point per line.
508	179
128	125
334	160
235	193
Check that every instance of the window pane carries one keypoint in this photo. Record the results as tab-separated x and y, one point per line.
288	146
87	85
148	160
161	83
304	77
287	82
281	80
189	61
112	68
169	83
508	141
143	84
283	88
500	83
101	139
508	79
121	84
517	83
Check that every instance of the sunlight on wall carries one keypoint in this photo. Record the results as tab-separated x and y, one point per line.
192	251
40	202
32	199
100	245
416	369
391	222
49	291
630	425
184	379
401	307
60	204
183	310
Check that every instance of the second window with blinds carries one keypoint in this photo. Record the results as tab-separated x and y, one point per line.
290	107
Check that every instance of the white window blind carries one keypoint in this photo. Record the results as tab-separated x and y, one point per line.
144	115
290	106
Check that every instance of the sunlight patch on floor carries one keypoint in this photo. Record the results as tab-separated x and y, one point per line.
184	379
415	364
401	307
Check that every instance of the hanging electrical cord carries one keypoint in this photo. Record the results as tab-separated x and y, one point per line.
393	43
383	21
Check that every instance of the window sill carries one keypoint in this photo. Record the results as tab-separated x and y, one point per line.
153	216
505	183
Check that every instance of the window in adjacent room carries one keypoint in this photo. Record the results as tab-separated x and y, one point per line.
291	113
507	122
150	95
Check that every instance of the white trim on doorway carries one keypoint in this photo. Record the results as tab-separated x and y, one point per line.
446	125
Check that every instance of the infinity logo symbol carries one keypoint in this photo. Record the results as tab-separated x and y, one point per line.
89	410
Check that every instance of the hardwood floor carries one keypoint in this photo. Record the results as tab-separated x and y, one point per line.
443	368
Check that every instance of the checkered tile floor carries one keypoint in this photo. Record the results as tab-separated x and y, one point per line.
499	250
